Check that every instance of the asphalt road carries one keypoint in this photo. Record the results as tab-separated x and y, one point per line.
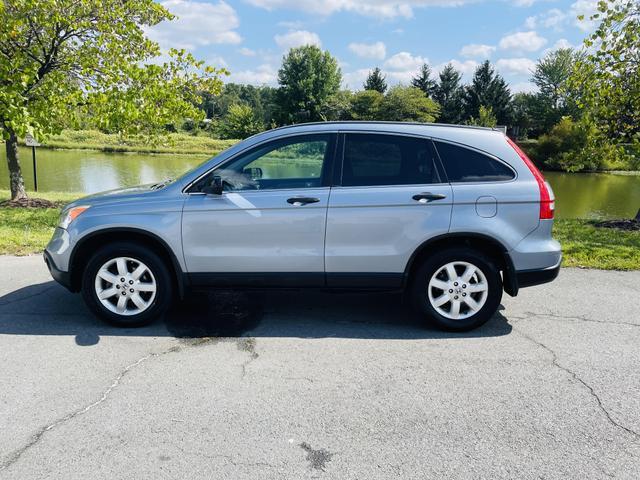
316	385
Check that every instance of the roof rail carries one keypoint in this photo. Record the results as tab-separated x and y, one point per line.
380	122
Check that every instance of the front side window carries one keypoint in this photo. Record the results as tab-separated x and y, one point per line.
466	165
377	159
296	162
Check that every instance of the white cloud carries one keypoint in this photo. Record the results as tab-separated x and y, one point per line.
375	50
516	66
197	24
296	38
558	20
247	52
373	8
264	74
475	50
405	61
562	43
523	87
523	42
354	80
468	67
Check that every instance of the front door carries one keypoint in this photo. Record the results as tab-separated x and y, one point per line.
268	225
390	198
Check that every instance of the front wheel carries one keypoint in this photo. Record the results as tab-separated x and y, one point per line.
127	285
458	289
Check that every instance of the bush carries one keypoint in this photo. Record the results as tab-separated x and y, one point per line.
240	122
580	147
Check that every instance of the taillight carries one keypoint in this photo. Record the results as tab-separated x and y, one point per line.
547	206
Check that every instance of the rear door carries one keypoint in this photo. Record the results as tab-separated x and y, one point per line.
389	196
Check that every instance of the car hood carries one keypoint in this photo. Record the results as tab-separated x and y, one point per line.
116	195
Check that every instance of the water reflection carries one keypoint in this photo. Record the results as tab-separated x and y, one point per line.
577	195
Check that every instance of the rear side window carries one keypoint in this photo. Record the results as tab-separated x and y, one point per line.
466	165
375	159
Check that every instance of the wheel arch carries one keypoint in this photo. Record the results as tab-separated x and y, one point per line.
91	242
476	241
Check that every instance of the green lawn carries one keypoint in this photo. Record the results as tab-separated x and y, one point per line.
27	230
179	143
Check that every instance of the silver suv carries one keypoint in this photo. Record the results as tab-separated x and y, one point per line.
451	215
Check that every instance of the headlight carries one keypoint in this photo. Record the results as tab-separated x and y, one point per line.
70	215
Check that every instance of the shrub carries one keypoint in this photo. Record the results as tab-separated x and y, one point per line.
580	147
240	122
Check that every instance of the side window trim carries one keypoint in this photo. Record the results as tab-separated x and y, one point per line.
477	150
339	159
327	167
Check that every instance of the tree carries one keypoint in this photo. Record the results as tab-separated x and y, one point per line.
338	106
424	82
486	118
449	94
308	78
240	122
555	98
608	76
365	105
408	104
62	56
376	81
489	89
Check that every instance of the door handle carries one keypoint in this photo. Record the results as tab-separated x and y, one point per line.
298	201
426	197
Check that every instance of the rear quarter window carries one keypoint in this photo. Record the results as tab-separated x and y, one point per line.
466	165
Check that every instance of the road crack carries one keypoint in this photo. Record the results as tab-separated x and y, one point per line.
577	378
528	315
35	439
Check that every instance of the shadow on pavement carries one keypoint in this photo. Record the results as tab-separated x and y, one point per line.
49	309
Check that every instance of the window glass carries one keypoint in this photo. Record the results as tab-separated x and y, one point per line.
466	165
374	159
295	162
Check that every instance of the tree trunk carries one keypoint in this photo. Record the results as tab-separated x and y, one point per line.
16	182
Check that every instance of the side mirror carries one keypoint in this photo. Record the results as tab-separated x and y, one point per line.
215	188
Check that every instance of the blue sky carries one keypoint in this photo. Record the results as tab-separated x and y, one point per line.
249	37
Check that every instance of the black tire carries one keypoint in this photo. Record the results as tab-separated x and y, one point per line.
164	287
424	273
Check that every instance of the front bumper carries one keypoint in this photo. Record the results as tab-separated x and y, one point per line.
63	278
529	278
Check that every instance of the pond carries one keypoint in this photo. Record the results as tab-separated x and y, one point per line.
578	195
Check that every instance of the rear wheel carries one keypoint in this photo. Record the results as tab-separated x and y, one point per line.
458	289
127	285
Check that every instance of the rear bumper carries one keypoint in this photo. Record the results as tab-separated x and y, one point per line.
529	278
63	278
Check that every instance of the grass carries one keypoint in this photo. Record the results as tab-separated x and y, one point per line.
25	231
178	143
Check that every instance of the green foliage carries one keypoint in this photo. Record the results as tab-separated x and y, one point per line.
448	92
424	82
608	76
308	78
365	105
178	143
62	58
489	89
486	118
260	99
376	81
408	104
241	122
580	147
338	106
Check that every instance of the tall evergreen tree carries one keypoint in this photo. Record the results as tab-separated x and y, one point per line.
376	81
490	90
424	82
449	94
